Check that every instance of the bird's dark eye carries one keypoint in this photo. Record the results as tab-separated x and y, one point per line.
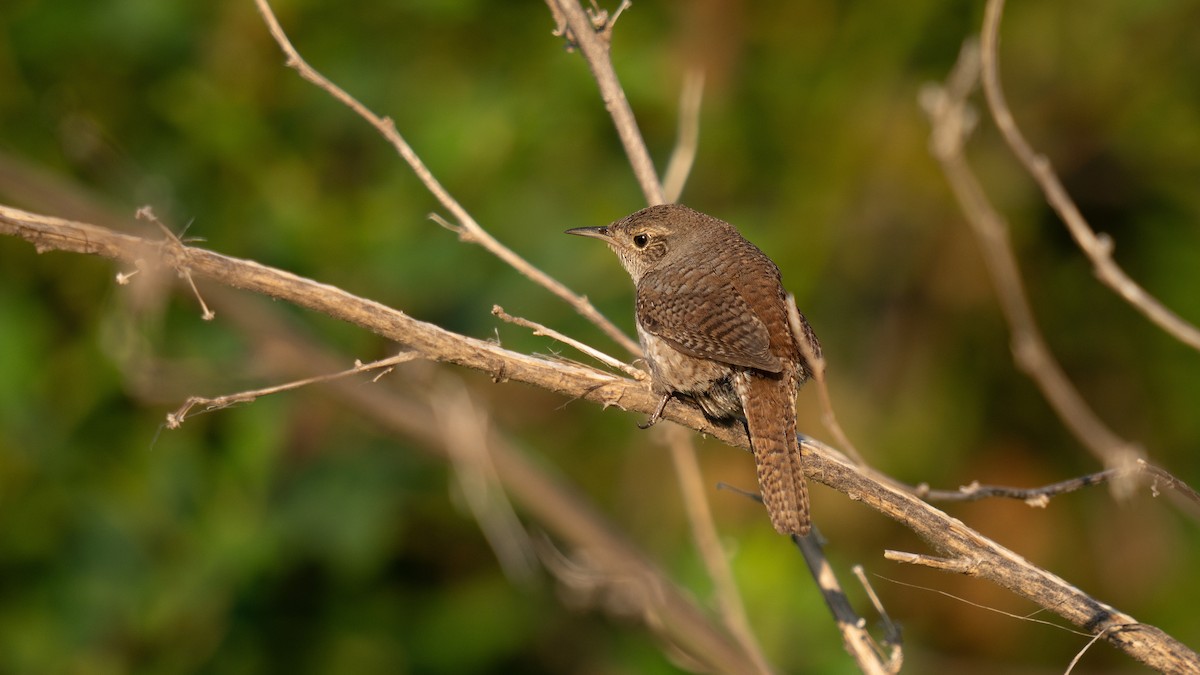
640	240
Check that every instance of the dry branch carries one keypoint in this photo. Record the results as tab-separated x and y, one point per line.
708	544
868	655
951	122
1097	247
1040	496
593	38
466	227
962	549
615	564
947	535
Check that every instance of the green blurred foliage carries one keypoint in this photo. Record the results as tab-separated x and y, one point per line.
288	535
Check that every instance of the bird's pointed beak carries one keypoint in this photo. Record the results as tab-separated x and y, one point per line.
593	232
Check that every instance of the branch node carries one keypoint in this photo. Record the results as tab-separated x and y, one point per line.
602	23
1038	501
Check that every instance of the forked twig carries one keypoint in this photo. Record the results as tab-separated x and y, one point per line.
867	654
176	245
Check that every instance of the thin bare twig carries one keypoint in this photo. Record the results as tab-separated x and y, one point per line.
146	213
1157	479
816	360
904	557
466	430
1020	617
594	42
1079	655
465	226
891	630
1168	481
858	642
704	534
539	329
177	418
951	123
687	141
1097	247
1037	497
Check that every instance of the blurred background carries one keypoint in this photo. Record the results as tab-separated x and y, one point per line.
298	534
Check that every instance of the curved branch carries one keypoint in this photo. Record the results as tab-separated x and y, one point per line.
1097	247
978	555
951	123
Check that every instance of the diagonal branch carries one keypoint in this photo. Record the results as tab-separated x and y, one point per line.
1097	247
465	226
951	122
949	536
867	654
594	42
555	505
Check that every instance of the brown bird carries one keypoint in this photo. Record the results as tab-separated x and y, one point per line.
712	318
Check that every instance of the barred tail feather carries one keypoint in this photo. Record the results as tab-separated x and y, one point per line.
771	422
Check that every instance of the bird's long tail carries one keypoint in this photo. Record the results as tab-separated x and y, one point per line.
770	410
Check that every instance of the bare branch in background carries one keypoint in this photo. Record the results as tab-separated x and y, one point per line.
708	544
465	226
1097	247
688	139
465	430
951	123
615	565
868	655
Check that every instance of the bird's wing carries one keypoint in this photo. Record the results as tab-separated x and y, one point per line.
706	320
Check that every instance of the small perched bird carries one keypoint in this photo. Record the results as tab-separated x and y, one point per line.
712	318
